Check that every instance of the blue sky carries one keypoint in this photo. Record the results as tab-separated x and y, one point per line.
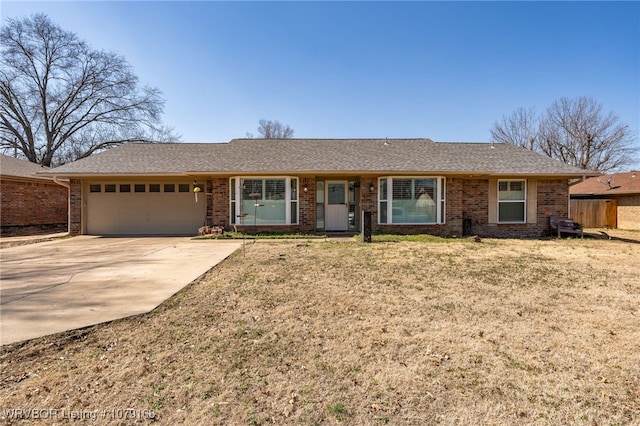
442	70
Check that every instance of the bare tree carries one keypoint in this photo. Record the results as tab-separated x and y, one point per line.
269	129
61	100
573	130
520	128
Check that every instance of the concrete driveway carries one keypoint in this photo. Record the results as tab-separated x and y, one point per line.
61	285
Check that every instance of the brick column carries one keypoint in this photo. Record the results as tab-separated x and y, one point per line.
369	200
307	204
218	208
454	205
75	207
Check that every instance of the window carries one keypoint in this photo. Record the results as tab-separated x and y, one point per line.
140	187
183	187
110	187
320	204
264	201
294	200
95	188
125	187
154	187
415	200
169	187
511	201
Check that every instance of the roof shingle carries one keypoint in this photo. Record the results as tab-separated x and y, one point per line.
15	167
318	156
613	184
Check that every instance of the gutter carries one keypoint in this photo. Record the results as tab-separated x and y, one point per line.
61	183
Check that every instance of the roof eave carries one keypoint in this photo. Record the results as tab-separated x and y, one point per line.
288	172
103	175
42	179
604	194
469	173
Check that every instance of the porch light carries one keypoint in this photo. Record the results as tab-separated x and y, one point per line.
196	188
371	188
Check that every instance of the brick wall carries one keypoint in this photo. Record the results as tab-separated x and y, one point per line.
220	199
307	204
475	193
219	213
553	200
469	199
32	207
75	204
466	199
629	212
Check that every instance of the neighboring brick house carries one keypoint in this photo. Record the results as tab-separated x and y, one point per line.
30	204
608	201
309	185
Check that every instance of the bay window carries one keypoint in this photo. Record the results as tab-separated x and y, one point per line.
264	201
411	200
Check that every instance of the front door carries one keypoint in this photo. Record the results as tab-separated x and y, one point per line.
337	216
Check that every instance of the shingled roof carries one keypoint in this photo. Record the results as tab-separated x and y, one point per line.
17	168
613	184
319	156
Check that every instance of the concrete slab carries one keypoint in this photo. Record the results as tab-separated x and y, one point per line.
61	285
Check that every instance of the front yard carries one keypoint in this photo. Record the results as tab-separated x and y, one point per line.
446	332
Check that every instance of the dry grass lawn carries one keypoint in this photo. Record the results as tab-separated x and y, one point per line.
501	332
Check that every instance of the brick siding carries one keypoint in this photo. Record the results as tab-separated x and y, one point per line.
553	200
75	204
32	207
628	211
220	199
466	199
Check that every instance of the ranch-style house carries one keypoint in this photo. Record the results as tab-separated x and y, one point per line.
318	185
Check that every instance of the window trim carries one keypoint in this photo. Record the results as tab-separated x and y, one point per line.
523	201
235	189
440	201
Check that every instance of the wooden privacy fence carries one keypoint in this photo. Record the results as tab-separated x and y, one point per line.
595	213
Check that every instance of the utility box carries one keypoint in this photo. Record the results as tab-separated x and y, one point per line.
366	227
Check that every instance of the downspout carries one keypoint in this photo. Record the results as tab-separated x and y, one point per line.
68	186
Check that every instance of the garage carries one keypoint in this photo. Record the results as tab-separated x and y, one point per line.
143	208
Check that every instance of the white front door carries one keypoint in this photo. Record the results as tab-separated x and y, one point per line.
337	217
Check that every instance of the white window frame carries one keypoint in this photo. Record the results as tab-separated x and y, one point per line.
523	201
440	201
288	199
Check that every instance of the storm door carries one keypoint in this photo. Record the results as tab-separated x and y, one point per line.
337	210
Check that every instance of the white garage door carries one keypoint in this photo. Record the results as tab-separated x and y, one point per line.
143	209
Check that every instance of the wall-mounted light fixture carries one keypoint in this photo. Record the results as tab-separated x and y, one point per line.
196	188
372	188
305	185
